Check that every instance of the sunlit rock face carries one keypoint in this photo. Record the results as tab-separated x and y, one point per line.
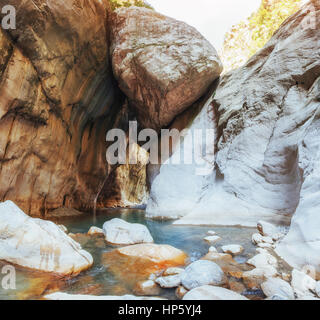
161	64
38	244
266	109
56	98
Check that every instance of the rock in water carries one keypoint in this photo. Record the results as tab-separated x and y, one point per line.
146	288
118	231
161	64
212	293
233	249
95	231
138	262
277	287
38	244
202	272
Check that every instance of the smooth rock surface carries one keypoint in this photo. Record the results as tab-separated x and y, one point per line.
95	231
146	288
212	293
163	70
118	231
137	262
202	272
38	244
277	286
233	249
172	281
302	284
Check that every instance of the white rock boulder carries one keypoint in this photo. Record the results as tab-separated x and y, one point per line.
302	284
202	272
277	287
233	249
95	231
169	281
212	293
38	244
118	231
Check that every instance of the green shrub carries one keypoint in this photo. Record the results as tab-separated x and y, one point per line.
115	4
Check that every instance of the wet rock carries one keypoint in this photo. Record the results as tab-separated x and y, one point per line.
228	265
254	278
164	70
256	238
118	231
137	262
267	229
233	249
236	286
213	249
212	293
169	281
146	288
181	292
277	287
93	231
302	284
172	271
39	244
200	273
212	239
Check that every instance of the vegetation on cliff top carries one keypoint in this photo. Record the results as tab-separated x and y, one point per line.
115	4
247	37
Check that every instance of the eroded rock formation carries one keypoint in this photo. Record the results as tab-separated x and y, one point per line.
55	104
265	110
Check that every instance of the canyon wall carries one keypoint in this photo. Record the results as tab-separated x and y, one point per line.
57	100
264	112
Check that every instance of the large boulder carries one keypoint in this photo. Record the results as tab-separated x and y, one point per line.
38	244
118	231
212	293
200	273
161	64
137	262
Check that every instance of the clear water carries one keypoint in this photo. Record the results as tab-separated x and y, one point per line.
98	281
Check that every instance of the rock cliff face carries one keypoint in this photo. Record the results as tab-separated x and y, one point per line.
56	103
265	110
161	64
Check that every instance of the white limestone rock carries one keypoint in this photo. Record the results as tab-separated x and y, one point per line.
95	231
172	281
38	244
302	284
202	272
277	287
262	260
172	271
212	239
118	231
233	249
208	292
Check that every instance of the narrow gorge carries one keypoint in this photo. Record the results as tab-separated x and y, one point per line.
239	222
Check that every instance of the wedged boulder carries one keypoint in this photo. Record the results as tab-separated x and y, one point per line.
212	293
200	273
118	231
138	262
161	64
38	244
268	114
146	288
